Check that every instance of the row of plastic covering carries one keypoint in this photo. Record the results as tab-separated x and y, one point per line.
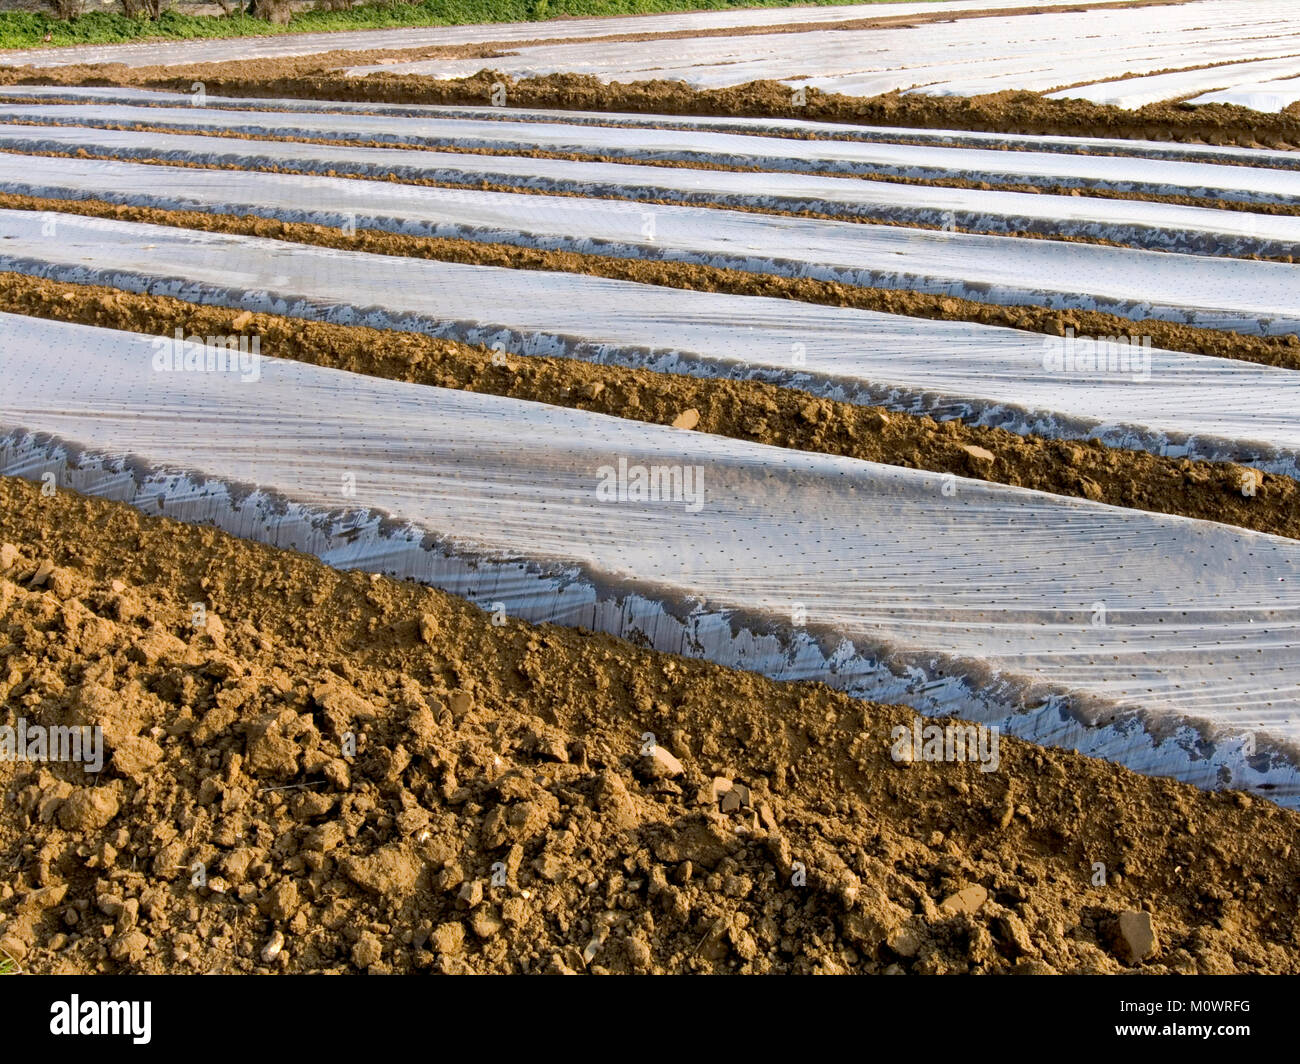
1116	389
1169	644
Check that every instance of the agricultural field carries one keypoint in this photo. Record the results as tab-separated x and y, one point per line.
791	490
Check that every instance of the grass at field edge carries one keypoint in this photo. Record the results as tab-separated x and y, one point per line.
24	29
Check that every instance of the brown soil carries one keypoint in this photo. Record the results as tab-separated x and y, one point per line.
1210	202
1004	112
498	815
491	186
263	103
741	409
1281	351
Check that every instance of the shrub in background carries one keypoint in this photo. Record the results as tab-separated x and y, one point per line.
66	9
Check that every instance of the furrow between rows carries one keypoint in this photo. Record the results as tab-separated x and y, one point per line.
783	563
1121	392
1162	177
1144	225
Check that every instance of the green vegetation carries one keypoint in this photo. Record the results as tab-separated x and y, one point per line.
23	29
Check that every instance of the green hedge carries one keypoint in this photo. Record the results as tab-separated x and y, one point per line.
22	29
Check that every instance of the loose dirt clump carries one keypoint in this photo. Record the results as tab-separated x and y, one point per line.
322	772
747	410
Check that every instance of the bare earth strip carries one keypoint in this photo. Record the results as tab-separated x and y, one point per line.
1280	350
1006	112
521	745
748	410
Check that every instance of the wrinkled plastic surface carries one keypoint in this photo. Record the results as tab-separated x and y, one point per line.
965	57
286	44
1131	93
1249	184
1151	149
1267	96
1038	602
1188	404
570	221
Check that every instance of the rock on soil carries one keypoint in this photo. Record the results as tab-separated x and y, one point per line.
500	812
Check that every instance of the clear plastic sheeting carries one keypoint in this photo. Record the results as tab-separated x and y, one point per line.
1175	647
1161	401
1132	93
605	225
790	127
174	53
1245	184
1127	48
170	53
964	57
1271	97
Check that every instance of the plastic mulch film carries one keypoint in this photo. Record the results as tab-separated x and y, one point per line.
1124	174
625	219
789	127
1122	393
172	53
1168	644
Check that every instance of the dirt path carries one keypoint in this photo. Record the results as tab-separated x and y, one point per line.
746	410
1004	112
1282	351
865	217
498	815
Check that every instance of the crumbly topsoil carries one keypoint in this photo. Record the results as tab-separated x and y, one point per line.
747	410
499	814
318	78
